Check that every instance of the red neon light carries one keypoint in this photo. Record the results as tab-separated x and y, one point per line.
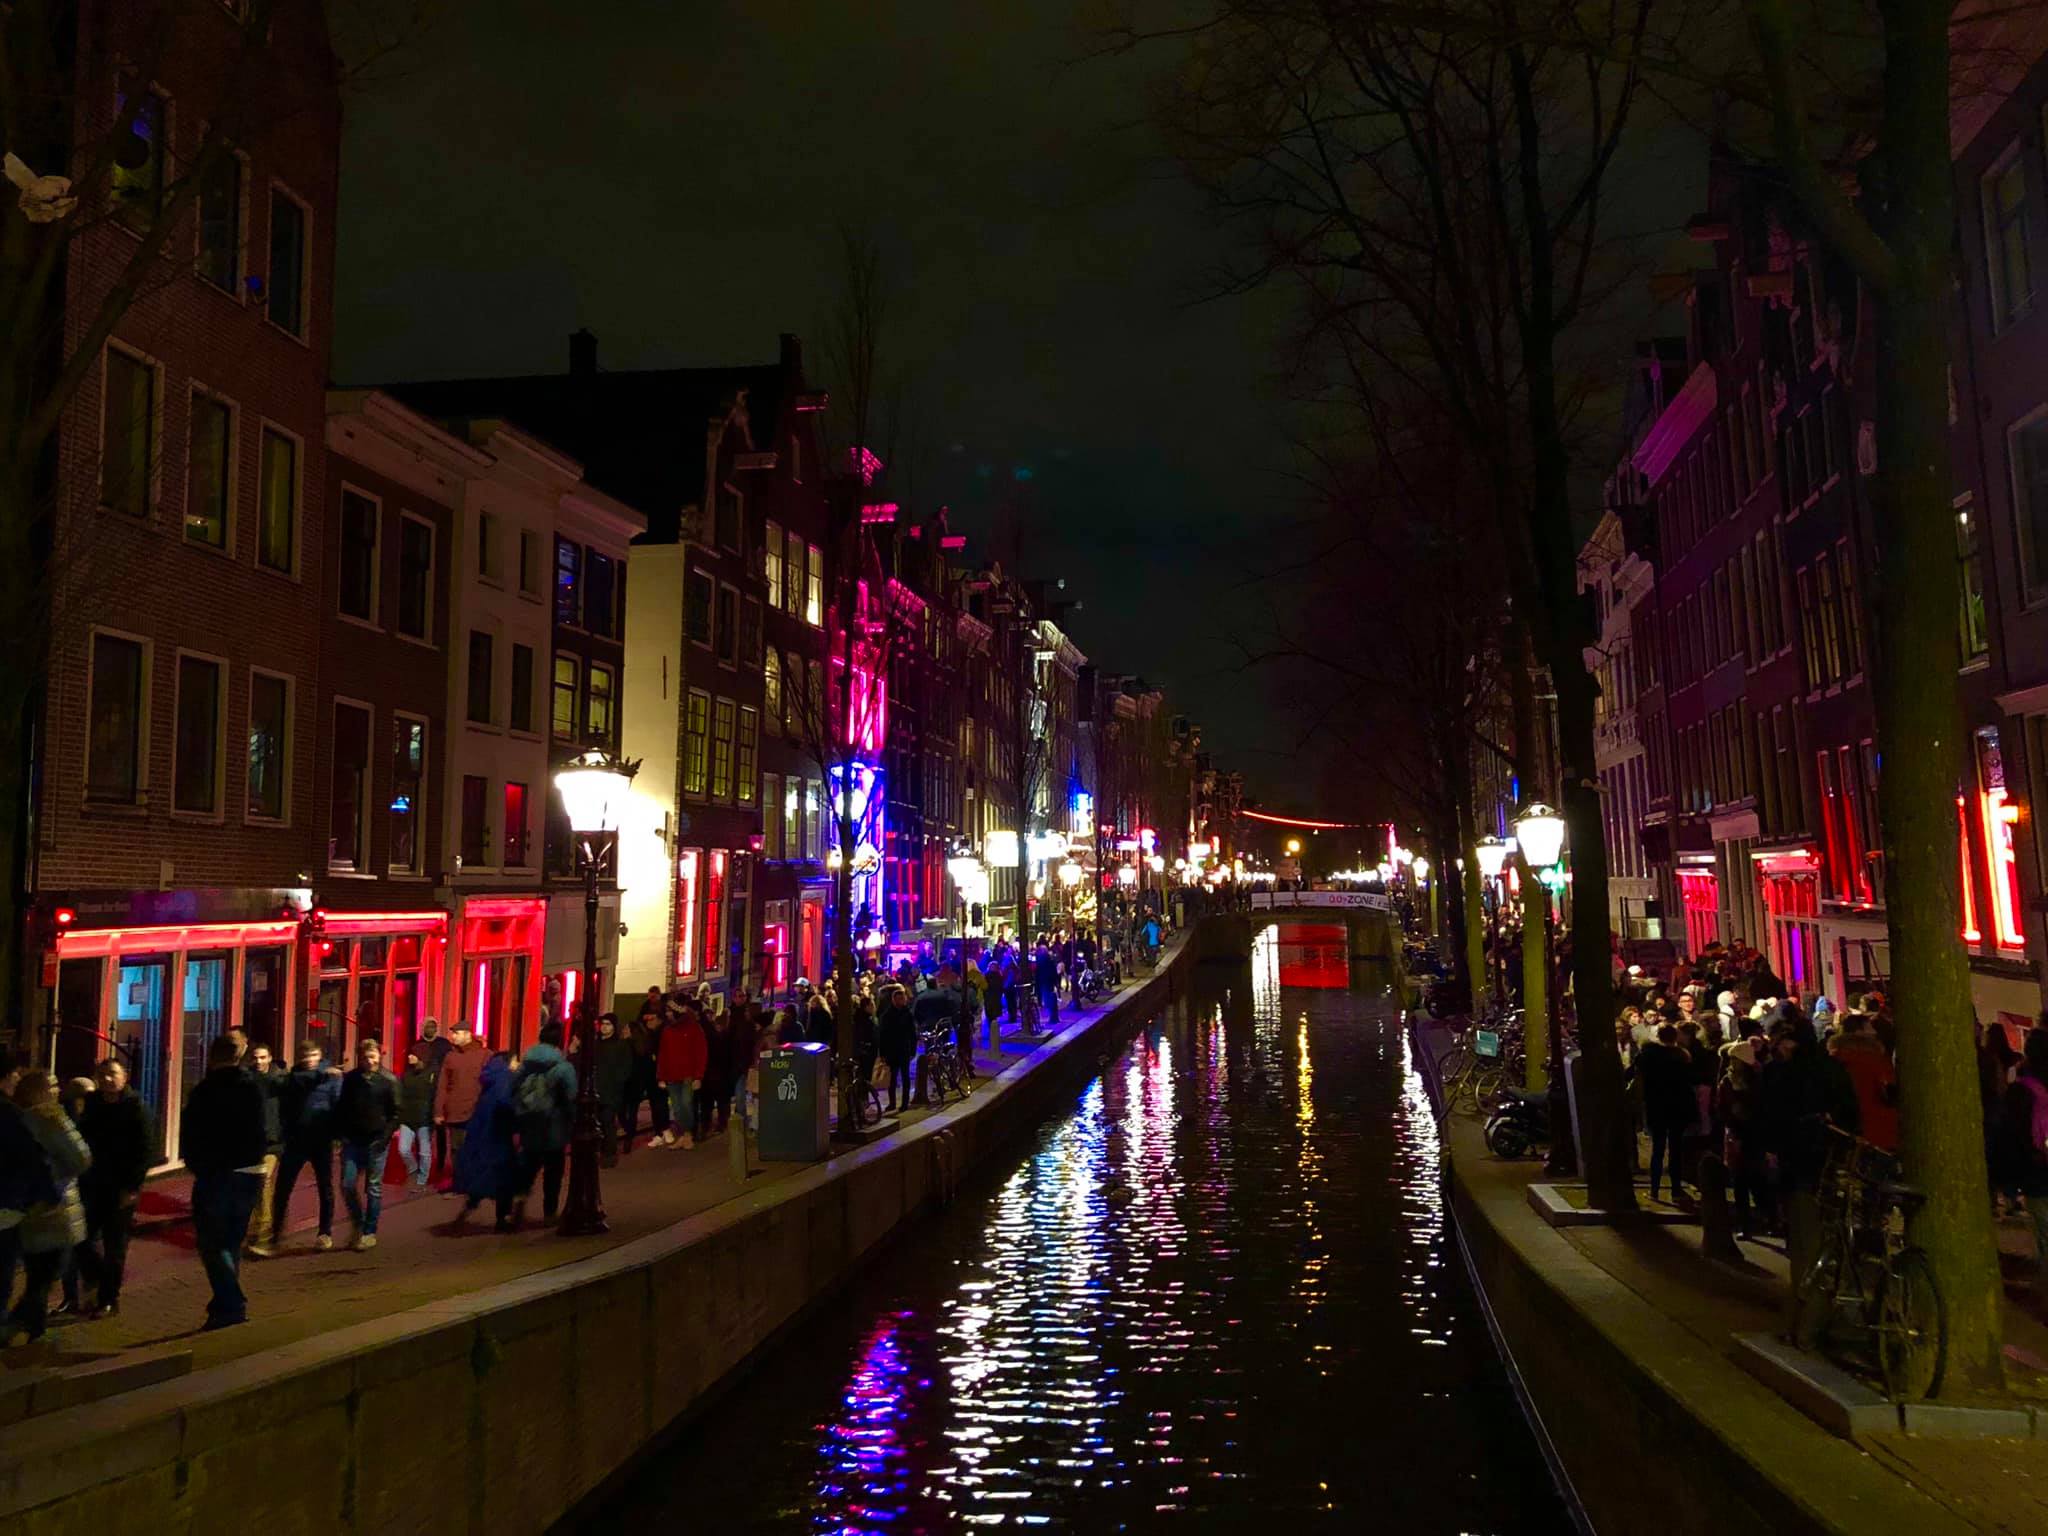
372	922
1997	816
879	512
1971	932
64	917
505	906
714	909
1298	821
76	941
483	1000
571	982
686	912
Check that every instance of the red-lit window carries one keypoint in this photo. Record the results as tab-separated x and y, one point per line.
1996	816
775	946
714	911
1833	839
1857	886
686	911
1971	932
515	824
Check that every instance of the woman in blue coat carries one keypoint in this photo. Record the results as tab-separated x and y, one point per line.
487	1165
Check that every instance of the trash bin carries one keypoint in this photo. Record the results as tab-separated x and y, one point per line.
796	1103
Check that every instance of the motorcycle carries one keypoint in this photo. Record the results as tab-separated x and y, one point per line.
1519	1123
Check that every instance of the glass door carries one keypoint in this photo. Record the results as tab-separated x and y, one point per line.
142	1029
80	1042
263	974
205	1014
328	1023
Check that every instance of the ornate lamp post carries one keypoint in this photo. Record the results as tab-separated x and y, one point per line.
1540	831
1492	854
593	789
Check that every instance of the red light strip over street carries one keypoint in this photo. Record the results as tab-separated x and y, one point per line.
1298	821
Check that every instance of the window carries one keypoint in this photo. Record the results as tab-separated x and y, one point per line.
359	519
814	702
814	589
138	174
277	528
814	818
601	596
522	687
480	688
746	767
196	744
517	842
2027	444
416	579
568	583
601	720
699	595
128	423
209	471
476	819
529	562
1830	616
1852	616
721	749
793	844
270	724
771	690
487	546
220	223
714	911
771	562
287	296
771	815
696	741
750	632
1770	613
2010	280
1972	624
686	911
726	518
408	794
1752	441
117	718
348	807
563	713
728	629
793	576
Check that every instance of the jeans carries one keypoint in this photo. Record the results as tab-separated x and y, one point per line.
682	1107
222	1204
1049	1002
899	1079
614	1127
364	1160
103	1256
320	1157
39	1273
262	1228
547	1163
1664	1142
416	1151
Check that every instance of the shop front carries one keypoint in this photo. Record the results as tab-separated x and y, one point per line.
496	968
156	977
378	976
1789	879
1699	894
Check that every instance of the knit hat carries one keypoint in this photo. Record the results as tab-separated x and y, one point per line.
1742	1051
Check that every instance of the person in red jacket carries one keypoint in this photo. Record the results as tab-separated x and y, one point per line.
679	1063
1869	1065
460	1083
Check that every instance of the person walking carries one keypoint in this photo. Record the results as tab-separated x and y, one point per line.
416	1118
269	1077
366	1113
746	1050
487	1153
25	1181
461	1080
897	1036
120	1132
2023	1145
1669	1107
714	1104
1045	975
1869	1065
545	1097
306	1101
54	1226
679	1068
222	1140
646	1084
617	1063
432	1048
1742	1148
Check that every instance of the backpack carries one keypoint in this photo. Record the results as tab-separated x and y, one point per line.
535	1097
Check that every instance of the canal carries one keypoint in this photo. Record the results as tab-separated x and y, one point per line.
1218	1293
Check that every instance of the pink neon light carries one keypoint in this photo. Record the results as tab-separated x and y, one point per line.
572	982
505	906
483	1000
1300	821
879	512
103	941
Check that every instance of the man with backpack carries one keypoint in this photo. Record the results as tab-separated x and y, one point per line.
544	1101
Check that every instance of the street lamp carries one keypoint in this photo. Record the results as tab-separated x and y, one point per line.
1294	845
593	788
1070	874
1492	854
1540	831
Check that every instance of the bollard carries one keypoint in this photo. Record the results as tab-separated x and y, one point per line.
736	1154
1717	1226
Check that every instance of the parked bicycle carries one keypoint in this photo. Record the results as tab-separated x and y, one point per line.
942	1075
1869	1296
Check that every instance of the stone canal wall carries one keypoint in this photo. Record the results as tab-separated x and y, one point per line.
497	1411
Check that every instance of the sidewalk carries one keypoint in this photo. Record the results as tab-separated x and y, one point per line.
422	1254
1982	1485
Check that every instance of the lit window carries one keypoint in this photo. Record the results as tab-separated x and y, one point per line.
128	434
567	675
686	911
722	732
209	471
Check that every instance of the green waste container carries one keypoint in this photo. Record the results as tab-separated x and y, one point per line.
796	1103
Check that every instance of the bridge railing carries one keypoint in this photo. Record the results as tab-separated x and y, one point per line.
1367	901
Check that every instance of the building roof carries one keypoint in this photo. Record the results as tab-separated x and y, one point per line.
639	433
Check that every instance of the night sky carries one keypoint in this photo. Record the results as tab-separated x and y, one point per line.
672	177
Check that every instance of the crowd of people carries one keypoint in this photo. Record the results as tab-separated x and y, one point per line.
485	1125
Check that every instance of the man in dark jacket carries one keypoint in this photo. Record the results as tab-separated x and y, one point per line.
306	1101
415	1128
897	1032
221	1137
365	1114
1669	1106
121	1133
1045	975
616	1065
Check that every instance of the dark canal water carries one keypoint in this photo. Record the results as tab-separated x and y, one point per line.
1218	1294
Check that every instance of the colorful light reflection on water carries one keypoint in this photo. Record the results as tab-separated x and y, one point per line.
1218	1294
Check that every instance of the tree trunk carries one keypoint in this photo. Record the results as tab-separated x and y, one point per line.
1920	729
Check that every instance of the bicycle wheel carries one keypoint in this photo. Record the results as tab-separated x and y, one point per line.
1814	1321
1912	1327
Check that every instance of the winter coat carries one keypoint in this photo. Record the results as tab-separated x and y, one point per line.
616	1060
272	1085
936	1009
1798	1099
1045	970
2020	1151
25	1177
306	1102
1869	1065
745	1045
679	1056
898	1034
122	1136
789	1029
1666	1074
416	1098
368	1106
487	1163
56	1225
462	1070
717	1057
547	1130
222	1128
433	1052
821	1027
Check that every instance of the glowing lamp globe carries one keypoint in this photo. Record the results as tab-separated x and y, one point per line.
1540	830
1070	874
1127	875
1421	867
1492	854
593	790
